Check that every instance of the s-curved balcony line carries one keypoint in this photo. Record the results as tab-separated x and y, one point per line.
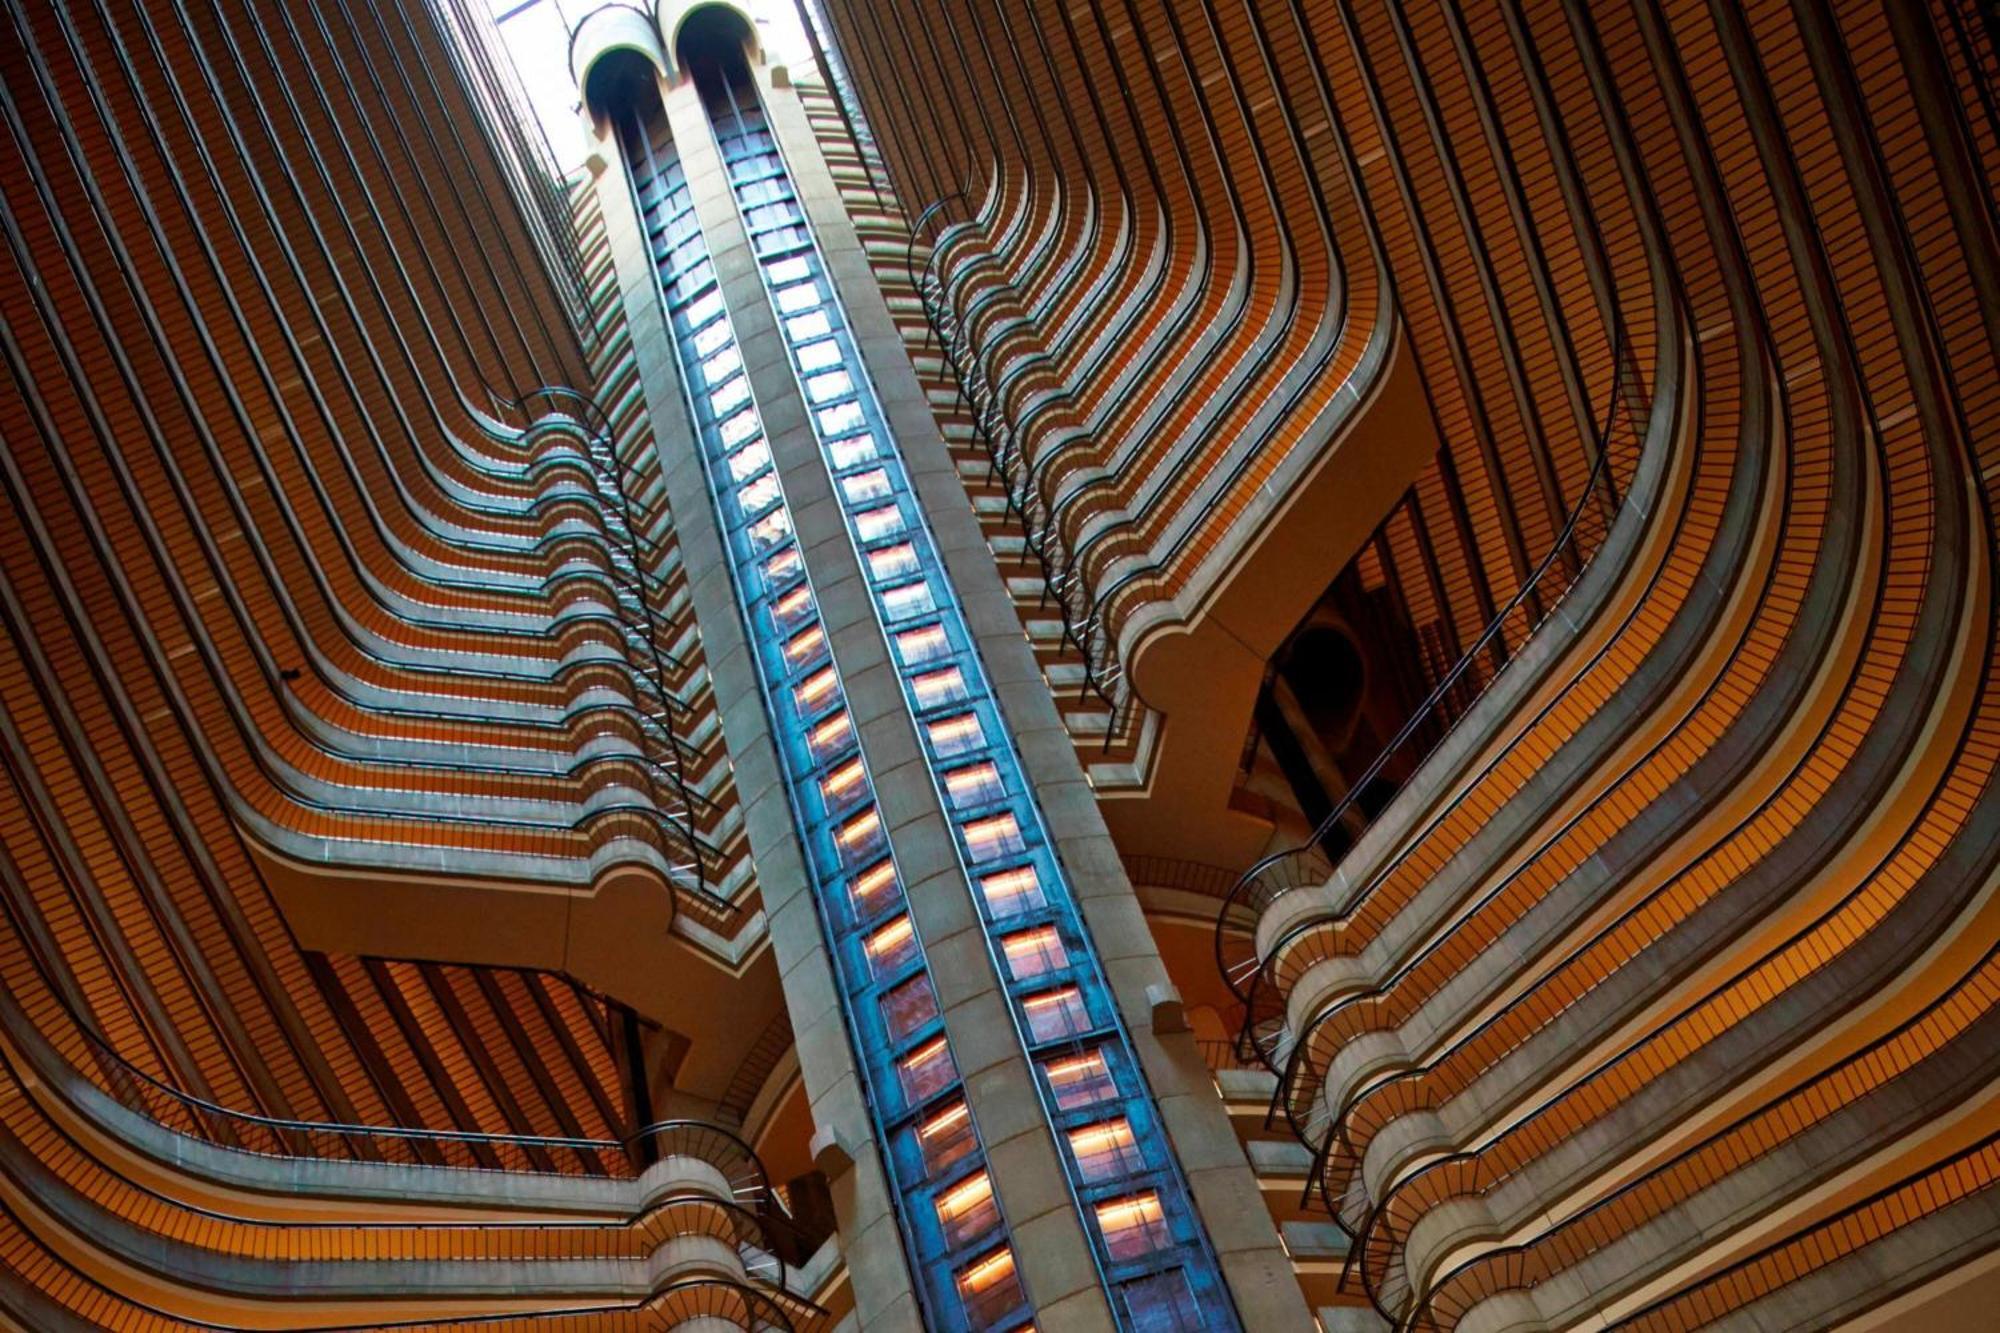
65	1044
1306	865
677	1205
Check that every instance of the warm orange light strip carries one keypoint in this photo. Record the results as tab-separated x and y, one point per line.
1049	997
1038	947
934	687
1132	1211
891	937
1091	1061
987	835
966	784
781	567
1005	888
804	644
996	1267
1110	1136
831	732
965	1196
948	1119
950	731
874	879
860	828
916	644
847	778
892	560
924	1054
816	687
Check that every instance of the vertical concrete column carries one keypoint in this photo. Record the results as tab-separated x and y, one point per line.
884	1296
1254	1262
1051	1249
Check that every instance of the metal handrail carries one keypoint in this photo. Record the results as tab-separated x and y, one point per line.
757	1306
1724	1276
738	1162
1378	1210
1240	909
596	421
1111	685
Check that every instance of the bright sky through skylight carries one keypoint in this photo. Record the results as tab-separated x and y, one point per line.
537	34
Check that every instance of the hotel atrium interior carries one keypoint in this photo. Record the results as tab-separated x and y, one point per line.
1100	666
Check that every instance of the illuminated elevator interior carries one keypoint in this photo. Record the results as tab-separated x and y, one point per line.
1149	1251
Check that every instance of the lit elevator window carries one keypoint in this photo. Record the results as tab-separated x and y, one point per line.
1056	1014
691	283
804	646
687	255
830	737
875	524
751	167
771	529
714	336
730	396
739	428
956	735
789	270
806	327
908	1007
721	366
860	837
1133	1226
840	419
863	487
1105	1151
829	385
819	355
926	643
974	785
693	279
794	606
968	1210
845	783
852	451
748	461
994	836
874	889
759	495
791	300
1034	953
1080	1080
947	1138
926	1070
705	309
1008	892
822	687
701	276
890	562
688	252
910	599
990	1289
780	239
938	687
782	566
890	947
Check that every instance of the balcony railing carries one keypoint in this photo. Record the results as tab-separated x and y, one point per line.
1308	864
